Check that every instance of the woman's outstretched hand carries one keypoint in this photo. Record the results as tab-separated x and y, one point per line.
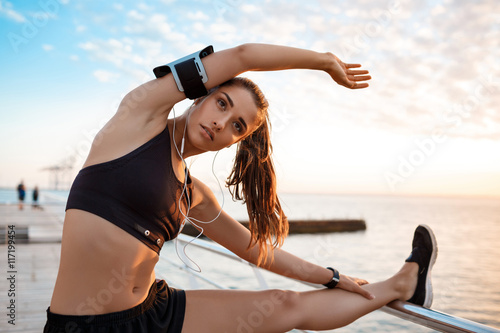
354	285
345	75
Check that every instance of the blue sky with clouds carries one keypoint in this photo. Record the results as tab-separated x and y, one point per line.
428	124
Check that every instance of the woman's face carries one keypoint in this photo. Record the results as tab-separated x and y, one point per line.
224	117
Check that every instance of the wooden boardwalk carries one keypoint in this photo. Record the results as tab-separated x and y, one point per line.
34	266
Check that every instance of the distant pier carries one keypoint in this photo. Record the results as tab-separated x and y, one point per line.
306	226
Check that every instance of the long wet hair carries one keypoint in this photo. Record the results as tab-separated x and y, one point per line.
253	179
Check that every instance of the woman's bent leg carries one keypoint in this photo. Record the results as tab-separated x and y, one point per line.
237	311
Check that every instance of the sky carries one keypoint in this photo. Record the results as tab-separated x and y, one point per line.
429	124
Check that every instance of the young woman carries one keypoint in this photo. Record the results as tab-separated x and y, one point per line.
133	193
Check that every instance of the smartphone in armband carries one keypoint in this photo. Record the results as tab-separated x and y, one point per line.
189	73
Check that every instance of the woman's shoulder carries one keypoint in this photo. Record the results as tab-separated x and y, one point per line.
202	196
121	135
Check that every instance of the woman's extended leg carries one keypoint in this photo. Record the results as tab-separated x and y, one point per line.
274	311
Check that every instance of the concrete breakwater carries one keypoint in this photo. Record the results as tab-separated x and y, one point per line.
306	226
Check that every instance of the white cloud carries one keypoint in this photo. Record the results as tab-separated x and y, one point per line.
144	7
423	57
47	47
88	46
105	76
247	8
438	10
135	15
198	16
6	8
428	62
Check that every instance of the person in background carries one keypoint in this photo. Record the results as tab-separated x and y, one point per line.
21	193
35	204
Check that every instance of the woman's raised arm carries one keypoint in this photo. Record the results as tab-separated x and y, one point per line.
264	57
160	95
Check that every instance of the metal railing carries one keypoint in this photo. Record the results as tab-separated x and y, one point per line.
425	317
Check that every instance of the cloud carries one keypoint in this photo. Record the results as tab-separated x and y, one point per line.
135	15
88	46
47	47
105	76
112	50
198	16
7	10
425	58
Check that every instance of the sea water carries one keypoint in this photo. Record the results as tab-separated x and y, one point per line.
465	277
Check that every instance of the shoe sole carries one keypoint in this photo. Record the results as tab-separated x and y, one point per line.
428	282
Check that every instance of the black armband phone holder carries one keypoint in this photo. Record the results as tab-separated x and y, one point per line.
189	73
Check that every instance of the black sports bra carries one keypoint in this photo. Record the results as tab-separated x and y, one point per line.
137	192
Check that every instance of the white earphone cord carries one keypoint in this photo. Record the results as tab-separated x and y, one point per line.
192	220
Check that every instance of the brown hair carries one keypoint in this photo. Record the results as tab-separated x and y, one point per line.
253	179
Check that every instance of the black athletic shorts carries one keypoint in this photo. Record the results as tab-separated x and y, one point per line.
162	311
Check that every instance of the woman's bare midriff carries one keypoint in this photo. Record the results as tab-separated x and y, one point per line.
103	269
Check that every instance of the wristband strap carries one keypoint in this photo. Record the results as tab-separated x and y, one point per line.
335	279
190	79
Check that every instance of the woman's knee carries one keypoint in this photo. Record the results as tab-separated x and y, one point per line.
284	300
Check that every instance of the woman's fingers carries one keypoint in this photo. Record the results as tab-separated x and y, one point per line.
356	85
360	78
361	282
356	72
365	293
352	65
353	285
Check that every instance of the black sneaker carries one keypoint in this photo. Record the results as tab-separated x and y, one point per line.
424	254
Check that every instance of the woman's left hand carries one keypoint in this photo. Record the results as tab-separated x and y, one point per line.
345	75
353	284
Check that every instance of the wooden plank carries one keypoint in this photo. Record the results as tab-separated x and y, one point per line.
31	225
34	269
